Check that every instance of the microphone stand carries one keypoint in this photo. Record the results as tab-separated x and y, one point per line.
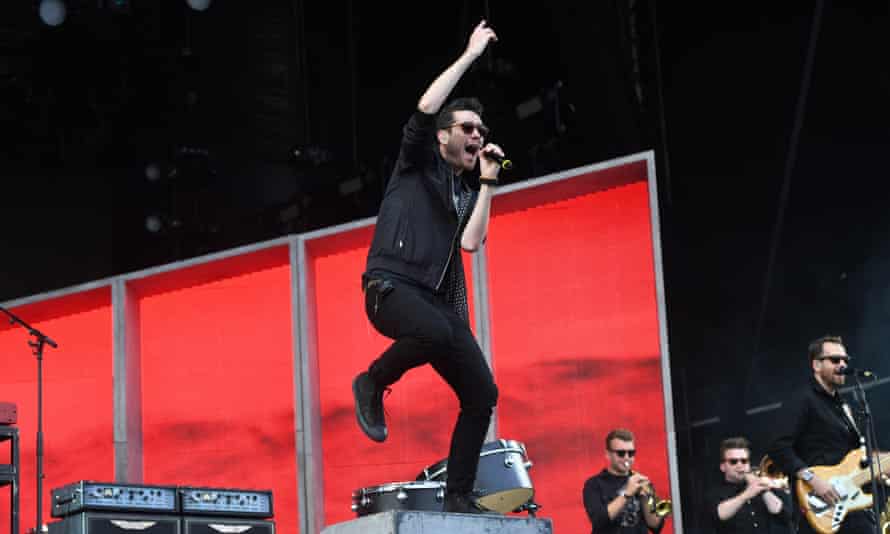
870	443
37	344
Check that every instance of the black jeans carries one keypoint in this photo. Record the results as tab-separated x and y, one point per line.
426	330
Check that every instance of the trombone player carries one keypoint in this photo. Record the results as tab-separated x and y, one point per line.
745	502
619	500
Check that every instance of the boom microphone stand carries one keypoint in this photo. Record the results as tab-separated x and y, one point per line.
869	437
36	344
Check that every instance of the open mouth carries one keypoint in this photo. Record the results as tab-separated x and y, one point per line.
472	149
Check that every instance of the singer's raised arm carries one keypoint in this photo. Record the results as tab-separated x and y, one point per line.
438	91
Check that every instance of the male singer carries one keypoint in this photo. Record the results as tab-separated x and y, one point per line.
414	284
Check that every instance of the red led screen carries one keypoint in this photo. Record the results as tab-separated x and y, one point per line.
217	377
421	410
77	396
575	334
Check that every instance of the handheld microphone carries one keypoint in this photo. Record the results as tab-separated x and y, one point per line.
852	371
501	160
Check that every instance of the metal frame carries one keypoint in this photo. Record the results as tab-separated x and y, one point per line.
307	416
307	409
666	387
482	318
481	298
127	384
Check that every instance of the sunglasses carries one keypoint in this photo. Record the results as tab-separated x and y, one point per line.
624	452
734	461
836	359
468	127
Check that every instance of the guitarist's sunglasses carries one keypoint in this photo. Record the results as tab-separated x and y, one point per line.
836	359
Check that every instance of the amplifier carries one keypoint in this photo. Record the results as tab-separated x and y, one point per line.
8	413
88	495
115	523
228	502
223	525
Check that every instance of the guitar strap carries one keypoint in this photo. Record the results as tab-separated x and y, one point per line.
849	420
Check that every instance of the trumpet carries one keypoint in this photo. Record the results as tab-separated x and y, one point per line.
660	507
768	471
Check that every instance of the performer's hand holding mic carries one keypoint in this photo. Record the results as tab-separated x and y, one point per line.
505	163
491	162
490	153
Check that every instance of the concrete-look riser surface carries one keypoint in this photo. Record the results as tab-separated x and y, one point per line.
409	522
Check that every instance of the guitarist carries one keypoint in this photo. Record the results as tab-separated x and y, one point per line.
817	428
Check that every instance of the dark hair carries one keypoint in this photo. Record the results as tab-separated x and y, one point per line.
815	349
619	433
445	118
734	443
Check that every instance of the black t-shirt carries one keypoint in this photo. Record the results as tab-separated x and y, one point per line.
599	491
752	517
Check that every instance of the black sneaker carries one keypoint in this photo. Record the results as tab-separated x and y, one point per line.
369	407
462	503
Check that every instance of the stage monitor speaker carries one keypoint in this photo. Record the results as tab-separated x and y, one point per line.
116	523
225	525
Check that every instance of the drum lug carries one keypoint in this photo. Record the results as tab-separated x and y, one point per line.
440	494
402	495
531	507
354	507
528	464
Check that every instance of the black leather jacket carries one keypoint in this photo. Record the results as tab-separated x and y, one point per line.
417	227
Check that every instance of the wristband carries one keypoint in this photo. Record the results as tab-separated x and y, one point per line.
488	181
626	496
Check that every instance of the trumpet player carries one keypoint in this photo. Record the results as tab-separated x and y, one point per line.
745	502
617	499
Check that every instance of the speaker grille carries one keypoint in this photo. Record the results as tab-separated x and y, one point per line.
208	525
110	523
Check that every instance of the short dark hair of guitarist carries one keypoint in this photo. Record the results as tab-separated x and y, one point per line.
818	444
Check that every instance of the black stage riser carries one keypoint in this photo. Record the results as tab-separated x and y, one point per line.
123	523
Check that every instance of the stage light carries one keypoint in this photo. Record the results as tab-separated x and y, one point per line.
119	6
198	5
529	107
153	223
52	12
152	172
351	186
313	155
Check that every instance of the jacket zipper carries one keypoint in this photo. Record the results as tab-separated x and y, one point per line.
451	249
